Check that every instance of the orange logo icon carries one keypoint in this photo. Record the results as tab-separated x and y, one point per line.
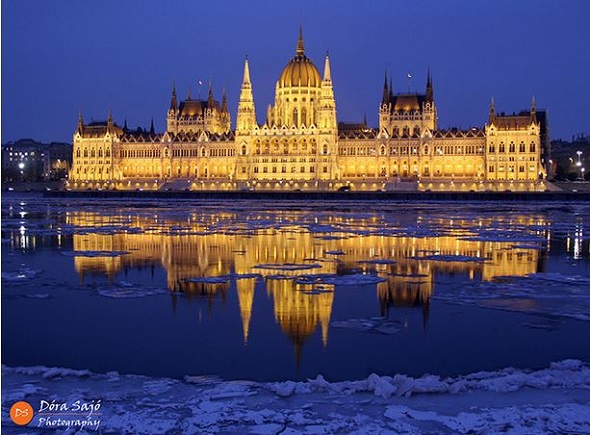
21	413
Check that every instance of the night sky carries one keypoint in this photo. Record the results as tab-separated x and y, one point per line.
59	57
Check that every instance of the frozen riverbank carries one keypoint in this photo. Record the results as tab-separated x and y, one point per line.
552	400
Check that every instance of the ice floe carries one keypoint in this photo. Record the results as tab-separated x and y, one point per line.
551	400
351	280
552	294
374	324
288	266
23	274
94	253
125	290
451	258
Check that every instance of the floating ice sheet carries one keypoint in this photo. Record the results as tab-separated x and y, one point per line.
326	278
23	274
125	290
94	253
551	294
288	266
374	324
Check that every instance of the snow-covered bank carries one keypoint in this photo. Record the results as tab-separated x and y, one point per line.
552	400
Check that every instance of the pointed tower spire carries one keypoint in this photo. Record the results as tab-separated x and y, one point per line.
125	128
210	96
152	129
110	120
80	122
189	93
385	98
224	102
300	46
429	87
327	72
246	118
365	120
173	100
533	110
246	72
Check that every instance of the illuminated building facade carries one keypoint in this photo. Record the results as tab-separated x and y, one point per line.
302	146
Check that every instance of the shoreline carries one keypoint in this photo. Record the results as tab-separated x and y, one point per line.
326	195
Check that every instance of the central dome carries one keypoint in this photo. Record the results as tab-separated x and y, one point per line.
300	71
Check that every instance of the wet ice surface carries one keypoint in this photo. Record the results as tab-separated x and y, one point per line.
551	400
552	294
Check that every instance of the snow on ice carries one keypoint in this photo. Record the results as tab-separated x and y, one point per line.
551	400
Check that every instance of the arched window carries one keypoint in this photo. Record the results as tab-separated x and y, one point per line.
78	152
304	116
532	148
92	153
294	117
325	149
382	150
203	152
100	152
512	147
257	147
522	147
243	150
502	147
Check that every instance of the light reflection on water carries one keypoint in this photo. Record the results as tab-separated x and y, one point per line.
369	277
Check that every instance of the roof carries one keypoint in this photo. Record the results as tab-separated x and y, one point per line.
407	102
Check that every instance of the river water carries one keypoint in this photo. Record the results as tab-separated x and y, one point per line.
271	291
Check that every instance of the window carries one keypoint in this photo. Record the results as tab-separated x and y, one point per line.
532	148
502	147
243	150
492	148
512	147
521	147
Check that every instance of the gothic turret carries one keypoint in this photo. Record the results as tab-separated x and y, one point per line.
429	88
246	119
173	100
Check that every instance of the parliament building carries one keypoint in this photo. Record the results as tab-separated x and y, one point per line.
301	145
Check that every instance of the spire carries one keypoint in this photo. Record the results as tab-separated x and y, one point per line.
210	97
189	93
80	122
110	120
365	120
327	73
224	102
429	87
246	118
125	128
152	129
385	98
173	100
246	72
300	47
533	110
492	111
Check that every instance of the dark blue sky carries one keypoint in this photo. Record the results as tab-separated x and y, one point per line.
62	56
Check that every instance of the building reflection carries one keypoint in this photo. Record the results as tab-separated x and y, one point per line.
212	246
